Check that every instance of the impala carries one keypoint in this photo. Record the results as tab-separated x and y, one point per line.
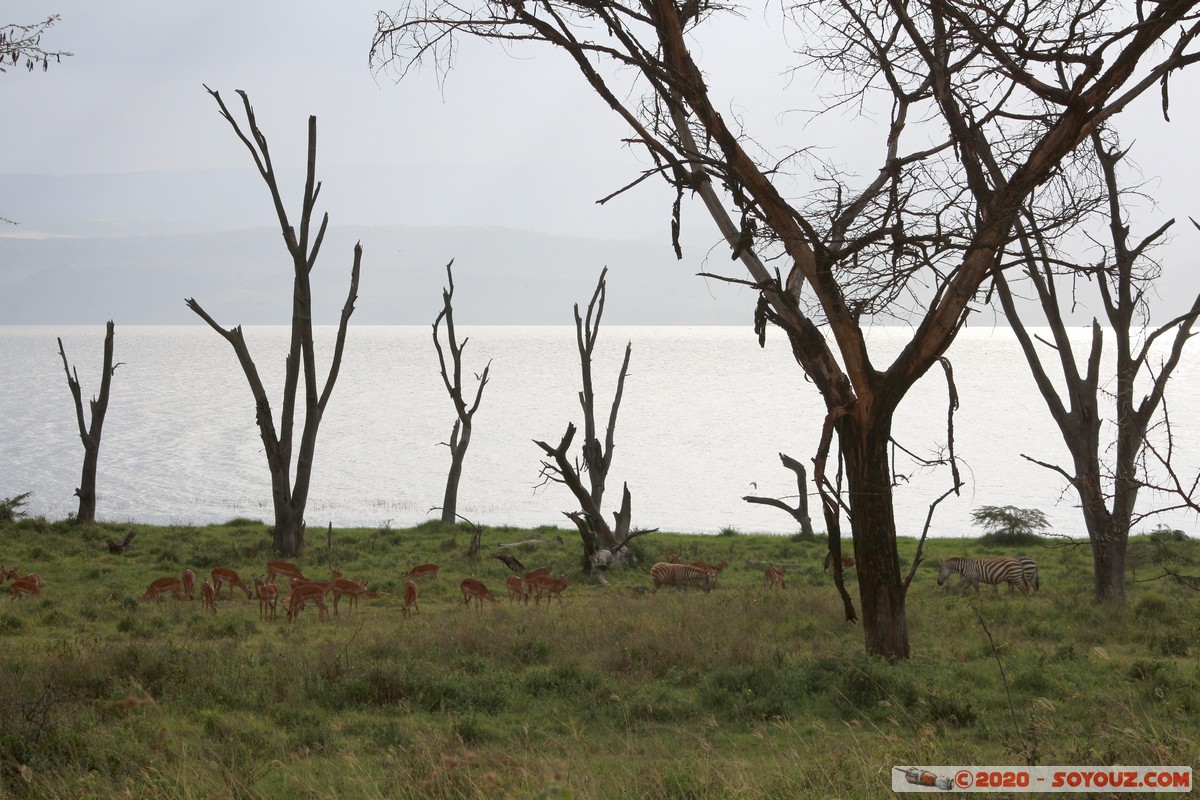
410	598
551	587
847	561
208	594
15	575
534	574
301	595
423	571
268	594
224	575
158	588
474	590
517	589
342	586
189	584
23	587
773	577
282	568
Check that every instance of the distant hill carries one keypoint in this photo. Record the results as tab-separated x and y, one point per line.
243	276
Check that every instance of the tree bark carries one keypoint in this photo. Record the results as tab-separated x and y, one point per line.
90	435
881	590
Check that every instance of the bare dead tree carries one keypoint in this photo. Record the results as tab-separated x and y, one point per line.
959	86
596	458
460	435
1106	478
594	531
290	498
24	43
800	512
90	434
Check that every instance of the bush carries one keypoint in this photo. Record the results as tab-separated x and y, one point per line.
10	507
1010	525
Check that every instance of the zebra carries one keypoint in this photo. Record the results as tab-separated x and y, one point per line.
974	571
666	574
1029	568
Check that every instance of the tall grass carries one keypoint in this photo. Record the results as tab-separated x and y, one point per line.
615	692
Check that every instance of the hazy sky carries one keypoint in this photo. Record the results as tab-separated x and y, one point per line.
131	99
513	139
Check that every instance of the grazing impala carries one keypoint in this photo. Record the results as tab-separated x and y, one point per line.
189	584
550	587
302	594
158	588
268	594
423	571
534	574
410	598
847	561
24	587
282	568
773	577
517	589
711	569
223	575
343	587
15	575
474	590
208	595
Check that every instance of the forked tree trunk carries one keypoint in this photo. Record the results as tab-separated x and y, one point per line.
290	498
460	435
90	435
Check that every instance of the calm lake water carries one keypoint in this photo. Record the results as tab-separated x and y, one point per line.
704	416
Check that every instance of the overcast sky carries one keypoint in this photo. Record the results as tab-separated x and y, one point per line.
131	99
513	139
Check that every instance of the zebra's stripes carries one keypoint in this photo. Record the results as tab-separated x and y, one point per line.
1029	569
974	571
683	575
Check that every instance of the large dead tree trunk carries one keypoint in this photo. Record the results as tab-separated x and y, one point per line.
597	458
90	434
1107	488
915	239
290	498
460	434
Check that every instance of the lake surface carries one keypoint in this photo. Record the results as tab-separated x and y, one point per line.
704	416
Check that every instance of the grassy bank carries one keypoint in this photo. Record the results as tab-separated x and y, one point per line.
742	692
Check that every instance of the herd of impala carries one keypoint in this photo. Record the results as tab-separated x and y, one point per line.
538	583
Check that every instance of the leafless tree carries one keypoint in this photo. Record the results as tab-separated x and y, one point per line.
24	43
800	512
90	434
1107	479
958	86
289	499
597	458
460	435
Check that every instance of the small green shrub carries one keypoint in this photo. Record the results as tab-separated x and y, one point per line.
10	507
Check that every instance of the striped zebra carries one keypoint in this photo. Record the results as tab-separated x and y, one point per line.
684	575
994	571
1030	570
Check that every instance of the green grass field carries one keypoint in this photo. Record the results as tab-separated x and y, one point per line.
614	693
